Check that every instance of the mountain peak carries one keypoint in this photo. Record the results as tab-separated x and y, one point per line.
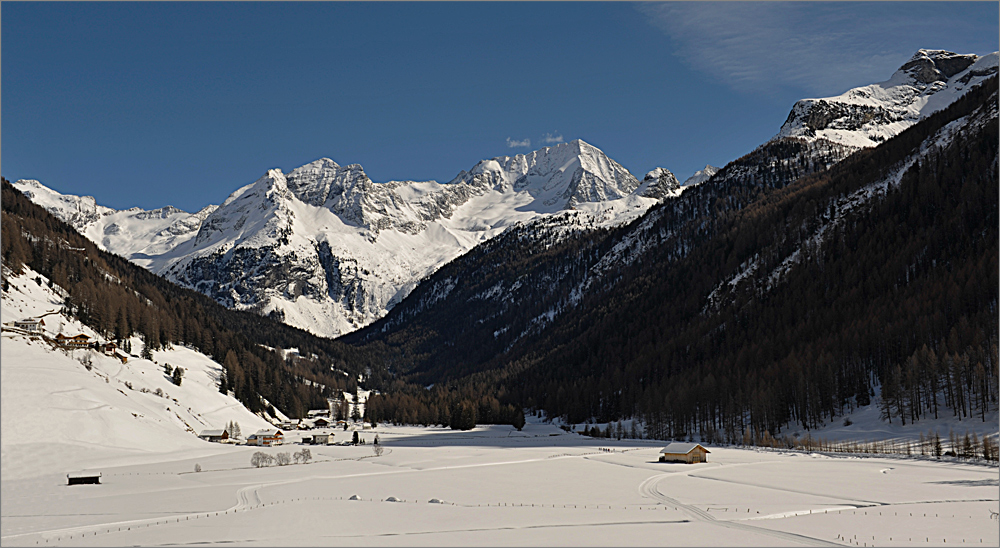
659	183
936	65
866	116
701	175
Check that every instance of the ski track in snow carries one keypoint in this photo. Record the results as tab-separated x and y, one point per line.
649	488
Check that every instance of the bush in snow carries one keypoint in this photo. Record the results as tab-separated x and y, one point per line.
261	459
304	455
284	458
377	449
197	467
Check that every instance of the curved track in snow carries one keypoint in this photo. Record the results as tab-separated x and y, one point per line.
649	488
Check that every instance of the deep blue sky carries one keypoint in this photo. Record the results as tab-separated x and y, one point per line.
151	104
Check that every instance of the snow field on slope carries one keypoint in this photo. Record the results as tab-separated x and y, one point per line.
498	486
58	417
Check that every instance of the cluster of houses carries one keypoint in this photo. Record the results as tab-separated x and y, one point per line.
266	437
315	419
35	327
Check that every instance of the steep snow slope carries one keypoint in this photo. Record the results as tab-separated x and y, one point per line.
58	417
326	249
866	116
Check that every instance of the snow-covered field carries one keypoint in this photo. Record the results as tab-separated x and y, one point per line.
498	486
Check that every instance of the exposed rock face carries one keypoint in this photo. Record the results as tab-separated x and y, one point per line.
928	66
659	184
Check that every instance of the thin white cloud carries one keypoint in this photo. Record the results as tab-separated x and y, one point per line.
549	138
518	144
822	48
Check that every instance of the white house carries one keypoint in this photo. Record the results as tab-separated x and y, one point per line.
29	325
266	437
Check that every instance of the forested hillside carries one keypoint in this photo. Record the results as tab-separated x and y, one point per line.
777	291
119	299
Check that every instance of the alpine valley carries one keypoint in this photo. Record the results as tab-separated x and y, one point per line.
849	263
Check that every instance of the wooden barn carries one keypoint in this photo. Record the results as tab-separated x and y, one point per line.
684	452
83	478
214	435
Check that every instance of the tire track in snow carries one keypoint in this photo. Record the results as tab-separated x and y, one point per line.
797	491
649	489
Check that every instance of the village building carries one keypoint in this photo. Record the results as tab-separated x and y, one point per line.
107	348
684	452
321	423
78	341
30	325
214	435
266	437
318	413
321	439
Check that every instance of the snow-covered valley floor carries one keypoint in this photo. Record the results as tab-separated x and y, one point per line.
541	486
492	486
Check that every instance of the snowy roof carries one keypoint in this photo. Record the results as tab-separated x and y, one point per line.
268	432
682	447
82	474
212	433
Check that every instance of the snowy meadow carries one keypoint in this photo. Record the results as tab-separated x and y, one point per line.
498	486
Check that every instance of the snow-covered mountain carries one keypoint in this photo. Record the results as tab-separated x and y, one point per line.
327	249
137	234
701	176
868	115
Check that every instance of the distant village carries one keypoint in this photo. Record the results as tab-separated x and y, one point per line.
319	420
316	419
